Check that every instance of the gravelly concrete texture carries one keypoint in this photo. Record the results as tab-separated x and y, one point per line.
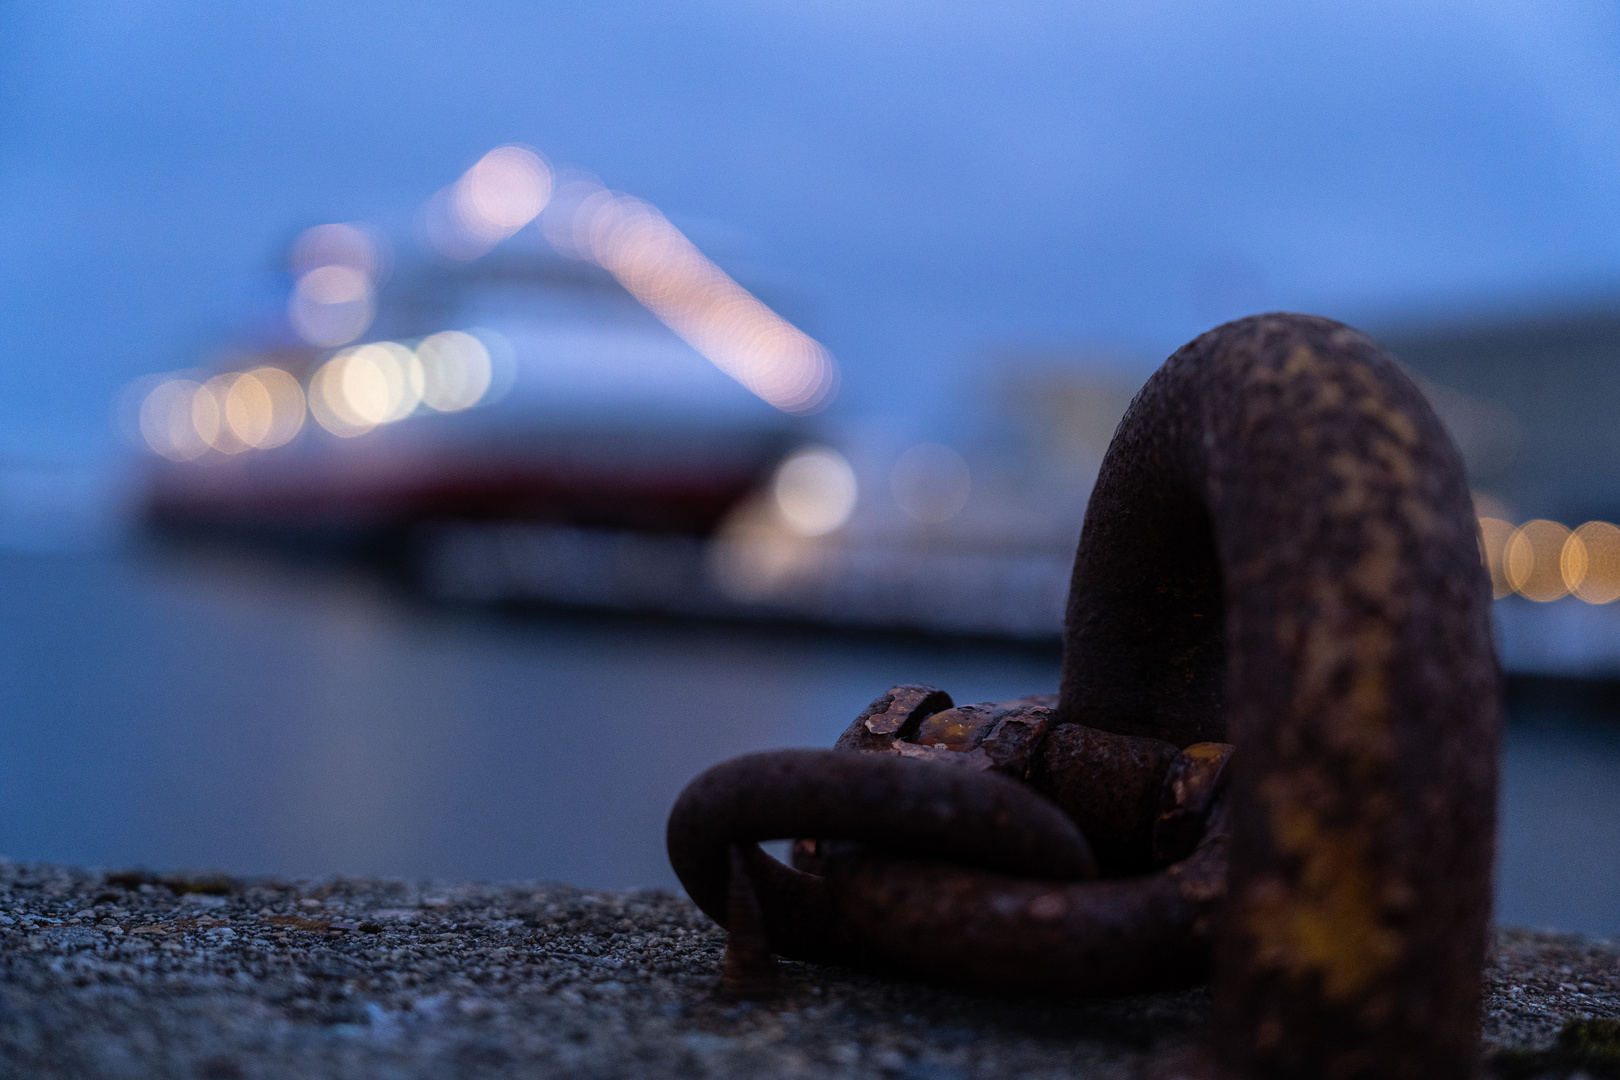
126	976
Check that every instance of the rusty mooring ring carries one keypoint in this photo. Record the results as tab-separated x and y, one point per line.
1280	552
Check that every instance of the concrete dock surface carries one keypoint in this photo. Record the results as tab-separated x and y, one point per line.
201	976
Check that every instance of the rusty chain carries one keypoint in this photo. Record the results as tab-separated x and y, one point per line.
1123	805
1271	761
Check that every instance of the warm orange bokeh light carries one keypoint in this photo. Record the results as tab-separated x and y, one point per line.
1591	562
1535	560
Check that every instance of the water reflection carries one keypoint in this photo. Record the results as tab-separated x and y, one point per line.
173	712
251	720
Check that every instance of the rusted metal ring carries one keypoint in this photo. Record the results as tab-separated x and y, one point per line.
973	818
1112	936
1123	934
1279	552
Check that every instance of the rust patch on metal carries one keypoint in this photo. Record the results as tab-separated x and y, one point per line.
1018	737
894	715
961	728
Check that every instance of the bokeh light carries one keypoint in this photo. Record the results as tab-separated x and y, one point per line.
815	490
512	186
360	388
208	412
1591	562
1544	560
505	191
387	377
665	271
327	404
348	244
182	419
931	482
265	408
249	409
334	285
166	420
1535	560
456	370
367	386
338	268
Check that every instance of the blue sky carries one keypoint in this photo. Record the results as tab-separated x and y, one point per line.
929	182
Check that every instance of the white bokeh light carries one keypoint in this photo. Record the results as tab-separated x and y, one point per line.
815	490
456	370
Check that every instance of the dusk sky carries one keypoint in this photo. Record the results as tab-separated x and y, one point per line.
926	183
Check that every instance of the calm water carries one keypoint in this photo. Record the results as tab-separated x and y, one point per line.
225	713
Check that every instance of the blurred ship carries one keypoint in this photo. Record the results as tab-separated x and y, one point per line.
867	528
572	405
613	378
553	398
